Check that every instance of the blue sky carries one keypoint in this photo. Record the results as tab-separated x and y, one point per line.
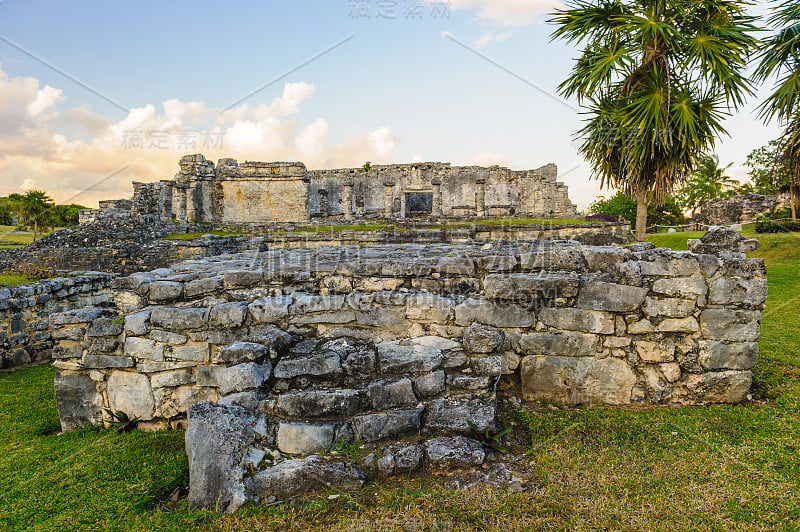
398	89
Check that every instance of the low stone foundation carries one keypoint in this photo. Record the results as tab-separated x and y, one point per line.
291	351
25	332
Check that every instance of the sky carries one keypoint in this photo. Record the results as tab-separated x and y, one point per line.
96	94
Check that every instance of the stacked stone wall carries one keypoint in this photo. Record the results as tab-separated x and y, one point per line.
25	332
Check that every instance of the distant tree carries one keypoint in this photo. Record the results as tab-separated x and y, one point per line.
708	181
34	210
781	57
64	215
768	171
666	212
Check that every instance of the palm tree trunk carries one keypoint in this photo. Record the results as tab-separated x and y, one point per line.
35	227
793	202
641	216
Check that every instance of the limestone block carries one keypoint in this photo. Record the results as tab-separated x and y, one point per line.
324	364
239	352
716	355
652	352
530	286
162	291
400	358
568	380
241	278
105	327
384	396
679	325
731	290
293	477
640	327
375	316
444	415
554	258
400	458
270	309
75	334
315	403
573	344
490	313
175	377
78	400
490	367
430	384
571	319
195	353
730	325
131	393
307	303
610	297
727	386
479	338
673	307
454	452
106	361
138	324
201	287
455	266
247	376
217	438
168	337
227	315
681	286
429	308
143	348
340	316
302	438
177	319
685	266
374	427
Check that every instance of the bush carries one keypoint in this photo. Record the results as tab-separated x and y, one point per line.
777	227
777	214
666	213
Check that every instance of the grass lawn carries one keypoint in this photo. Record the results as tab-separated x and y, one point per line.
699	468
14	279
10	235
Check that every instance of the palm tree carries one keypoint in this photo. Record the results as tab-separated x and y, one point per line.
708	180
781	57
33	209
658	76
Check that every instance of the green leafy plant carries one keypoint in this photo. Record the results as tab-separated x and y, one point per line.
492	441
366	166
348	448
121	421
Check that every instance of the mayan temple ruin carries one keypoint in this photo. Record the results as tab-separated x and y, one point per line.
262	192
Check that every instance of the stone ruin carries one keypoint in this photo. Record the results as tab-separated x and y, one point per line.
258	192
272	357
739	209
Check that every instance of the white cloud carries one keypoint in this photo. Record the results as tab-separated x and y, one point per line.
69	154
45	98
488	37
512	13
29	184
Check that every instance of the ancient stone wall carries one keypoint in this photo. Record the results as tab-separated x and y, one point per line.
25	332
739	209
579	324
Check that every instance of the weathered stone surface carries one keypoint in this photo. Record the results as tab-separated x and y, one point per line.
201	287
248	400
448	416
78	400
572	344
293	477
429	308
719	239
681	286
270	309
105	327
679	325
172	378
143	348
168	337
81	315
568	380
375	316
490	367
730	325
490	313
729	290
321	364
241	377
177	319
479	338
529	287
719	355
161	291
454	452
138	324
431	384
652	352
384	396
67	351
303	438
373	427
69	333
130	392
195	353
239	352
554	258
314	403
106	361
400	458
672	307
611	297
715	387
573	319
397	358
227	315
217	438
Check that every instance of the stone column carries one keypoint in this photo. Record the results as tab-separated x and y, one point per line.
191	203
387	199
480	197
436	207
402	204
323	203
347	200
166	201
181	214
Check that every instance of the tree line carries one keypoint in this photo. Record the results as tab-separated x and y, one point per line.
657	78
35	211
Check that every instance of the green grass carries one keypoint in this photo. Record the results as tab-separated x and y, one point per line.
15	280
10	235
695	468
